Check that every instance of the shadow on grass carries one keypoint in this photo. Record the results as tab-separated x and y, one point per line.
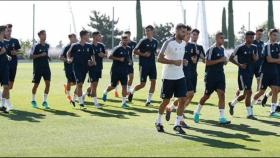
104	114
241	127
273	123
209	104
18	115
60	112
144	100
118	112
221	134
214	142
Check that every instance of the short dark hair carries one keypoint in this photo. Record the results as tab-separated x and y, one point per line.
260	30
180	26
196	31
189	28
219	33
83	32
124	36
127	32
41	32
271	31
2	28
250	33
149	27
95	33
71	35
9	26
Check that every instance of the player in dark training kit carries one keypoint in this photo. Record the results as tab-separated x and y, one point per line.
214	78
119	69
270	71
247	55
41	68
95	72
81	55
13	48
146	49
68	68
4	73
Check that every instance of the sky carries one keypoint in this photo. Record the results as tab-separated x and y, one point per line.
55	17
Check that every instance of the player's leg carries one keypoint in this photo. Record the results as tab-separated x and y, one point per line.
5	107
130	78
153	78
12	75
36	81
123	81
47	79
113	85
143	79
93	89
249	107
221	96
273	113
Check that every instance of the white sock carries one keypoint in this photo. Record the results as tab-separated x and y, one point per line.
273	108
249	111
178	120
198	109
9	105
33	97
267	95
85	94
81	100
222	113
234	102
172	107
159	120
253	102
132	91
149	99
1	95
105	92
68	93
75	97
45	97
95	101
3	102
123	100
116	89
128	89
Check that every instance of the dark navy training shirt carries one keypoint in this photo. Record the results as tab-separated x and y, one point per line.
99	48
41	62
272	50
244	55
190	51
81	54
147	45
67	66
215	53
12	44
260	45
3	57
132	45
117	66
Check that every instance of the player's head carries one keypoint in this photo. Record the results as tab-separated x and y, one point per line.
273	35
149	31
249	37
220	38
195	35
96	36
180	31
8	32
124	40
42	35
2	31
188	31
84	35
128	33
259	34
72	37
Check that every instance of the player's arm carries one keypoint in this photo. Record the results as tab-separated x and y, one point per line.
136	50
61	56
16	49
209	60
268	56
161	57
256	55
93	61
69	54
33	54
232	57
113	56
202	55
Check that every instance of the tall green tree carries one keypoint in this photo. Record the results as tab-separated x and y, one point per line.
224	25
231	36
139	21
270	21
103	24
163	32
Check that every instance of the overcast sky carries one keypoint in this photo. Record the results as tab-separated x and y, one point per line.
55	17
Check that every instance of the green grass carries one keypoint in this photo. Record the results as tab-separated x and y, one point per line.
112	131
